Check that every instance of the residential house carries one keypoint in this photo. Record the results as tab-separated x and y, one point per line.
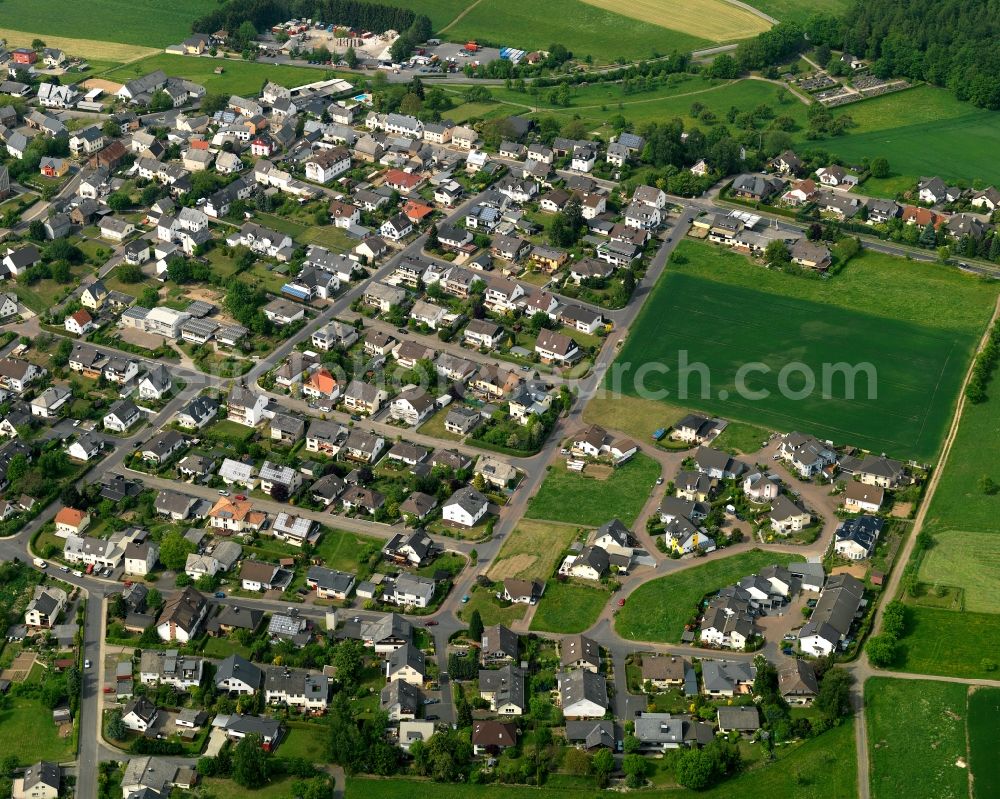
46	604
787	516
855	538
504	689
831	619
465	508
182	615
862	498
583	694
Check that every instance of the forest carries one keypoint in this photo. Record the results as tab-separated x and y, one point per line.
262	14
950	43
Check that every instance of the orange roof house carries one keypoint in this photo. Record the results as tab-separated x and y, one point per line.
235	515
415	211
321	384
71	520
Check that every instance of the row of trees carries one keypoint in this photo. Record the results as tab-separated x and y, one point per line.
262	14
984	367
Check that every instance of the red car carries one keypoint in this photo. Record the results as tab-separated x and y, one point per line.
621	602
431	623
241	497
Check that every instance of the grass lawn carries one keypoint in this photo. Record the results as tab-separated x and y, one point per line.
532	551
636	417
594	104
744	438
602	34
27	732
223	647
574	498
329	236
306	741
824	767
490	609
238	77
435	426
569	608
983	723
895	125
346	552
659	609
970	561
916	732
45	294
225	430
718	309
219	788
950	643
146	22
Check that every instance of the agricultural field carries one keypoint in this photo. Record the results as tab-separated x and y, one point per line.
799	10
983	722
659	609
970	561
602	34
898	126
441	12
716	20
916	735
950	644
925	336
959	503
149	23
532	551
238	77
575	498
569	608
109	53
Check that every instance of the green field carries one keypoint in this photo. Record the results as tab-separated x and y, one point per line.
983	723
958	503
594	104
490	610
568	608
150	23
238	77
583	29
659	609
744	438
574	498
797	10
343	550
915	323
899	126
28	733
441	12
824	767
305	741
950	644
916	733
970	561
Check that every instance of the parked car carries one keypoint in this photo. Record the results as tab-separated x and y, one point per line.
86	664
220	595
431	623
